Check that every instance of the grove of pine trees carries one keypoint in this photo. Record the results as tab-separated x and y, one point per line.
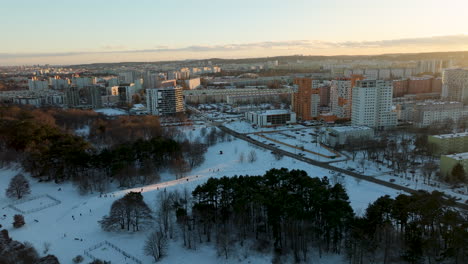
292	214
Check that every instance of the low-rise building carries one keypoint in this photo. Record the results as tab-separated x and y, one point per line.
334	136
449	143
448	162
269	118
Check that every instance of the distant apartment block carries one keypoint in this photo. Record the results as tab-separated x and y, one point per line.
372	104
35	98
125	92
59	84
72	96
455	85
433	66
192	83
81	82
165	101
417	85
36	84
341	96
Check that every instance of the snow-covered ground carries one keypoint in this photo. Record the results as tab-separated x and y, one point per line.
111	111
245	127
72	226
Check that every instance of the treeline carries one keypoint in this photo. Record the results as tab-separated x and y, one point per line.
15	252
49	152
294	215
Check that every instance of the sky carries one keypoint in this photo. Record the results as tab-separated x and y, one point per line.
87	31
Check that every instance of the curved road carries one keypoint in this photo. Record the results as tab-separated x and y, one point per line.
326	165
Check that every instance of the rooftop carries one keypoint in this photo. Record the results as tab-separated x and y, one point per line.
455	135
274	112
458	156
349	128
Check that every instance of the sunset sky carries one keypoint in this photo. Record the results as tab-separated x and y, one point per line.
87	31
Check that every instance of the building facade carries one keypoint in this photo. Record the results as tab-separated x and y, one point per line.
449	143
165	101
271	118
372	104
448	162
306	100
455	85
334	136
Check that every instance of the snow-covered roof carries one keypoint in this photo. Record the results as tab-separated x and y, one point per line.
455	135
349	128
458	156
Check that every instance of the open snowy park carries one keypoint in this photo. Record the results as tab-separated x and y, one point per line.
71	224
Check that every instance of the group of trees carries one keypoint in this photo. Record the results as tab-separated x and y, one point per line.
127	213
128	150
417	228
14	252
292	214
286	210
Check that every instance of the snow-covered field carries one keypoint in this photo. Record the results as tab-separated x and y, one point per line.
111	111
72	226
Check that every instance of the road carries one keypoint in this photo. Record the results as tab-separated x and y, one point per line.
326	165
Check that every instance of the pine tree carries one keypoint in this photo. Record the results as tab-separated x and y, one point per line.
18	221
18	187
458	174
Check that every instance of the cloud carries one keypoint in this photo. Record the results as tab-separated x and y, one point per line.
298	45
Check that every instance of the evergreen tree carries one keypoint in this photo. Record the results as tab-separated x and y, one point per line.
458	174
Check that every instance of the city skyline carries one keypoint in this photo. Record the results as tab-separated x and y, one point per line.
119	31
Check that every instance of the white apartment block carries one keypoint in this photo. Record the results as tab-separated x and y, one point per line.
193	83
59	84
164	101
333	136
340	98
271	118
372	104
82	82
455	85
35	84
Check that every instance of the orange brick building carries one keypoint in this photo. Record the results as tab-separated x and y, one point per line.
307	99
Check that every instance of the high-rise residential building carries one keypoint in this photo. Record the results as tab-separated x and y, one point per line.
125	92
433	66
341	96
59	84
306	100
165	101
324	92
36	84
93	96
372	104
192	83
81	82
72	96
127	77
113	82
455	85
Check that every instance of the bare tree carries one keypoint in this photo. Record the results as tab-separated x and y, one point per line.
241	157
252	156
18	187
156	245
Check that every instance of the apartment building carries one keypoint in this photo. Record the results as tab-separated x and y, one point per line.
372	104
